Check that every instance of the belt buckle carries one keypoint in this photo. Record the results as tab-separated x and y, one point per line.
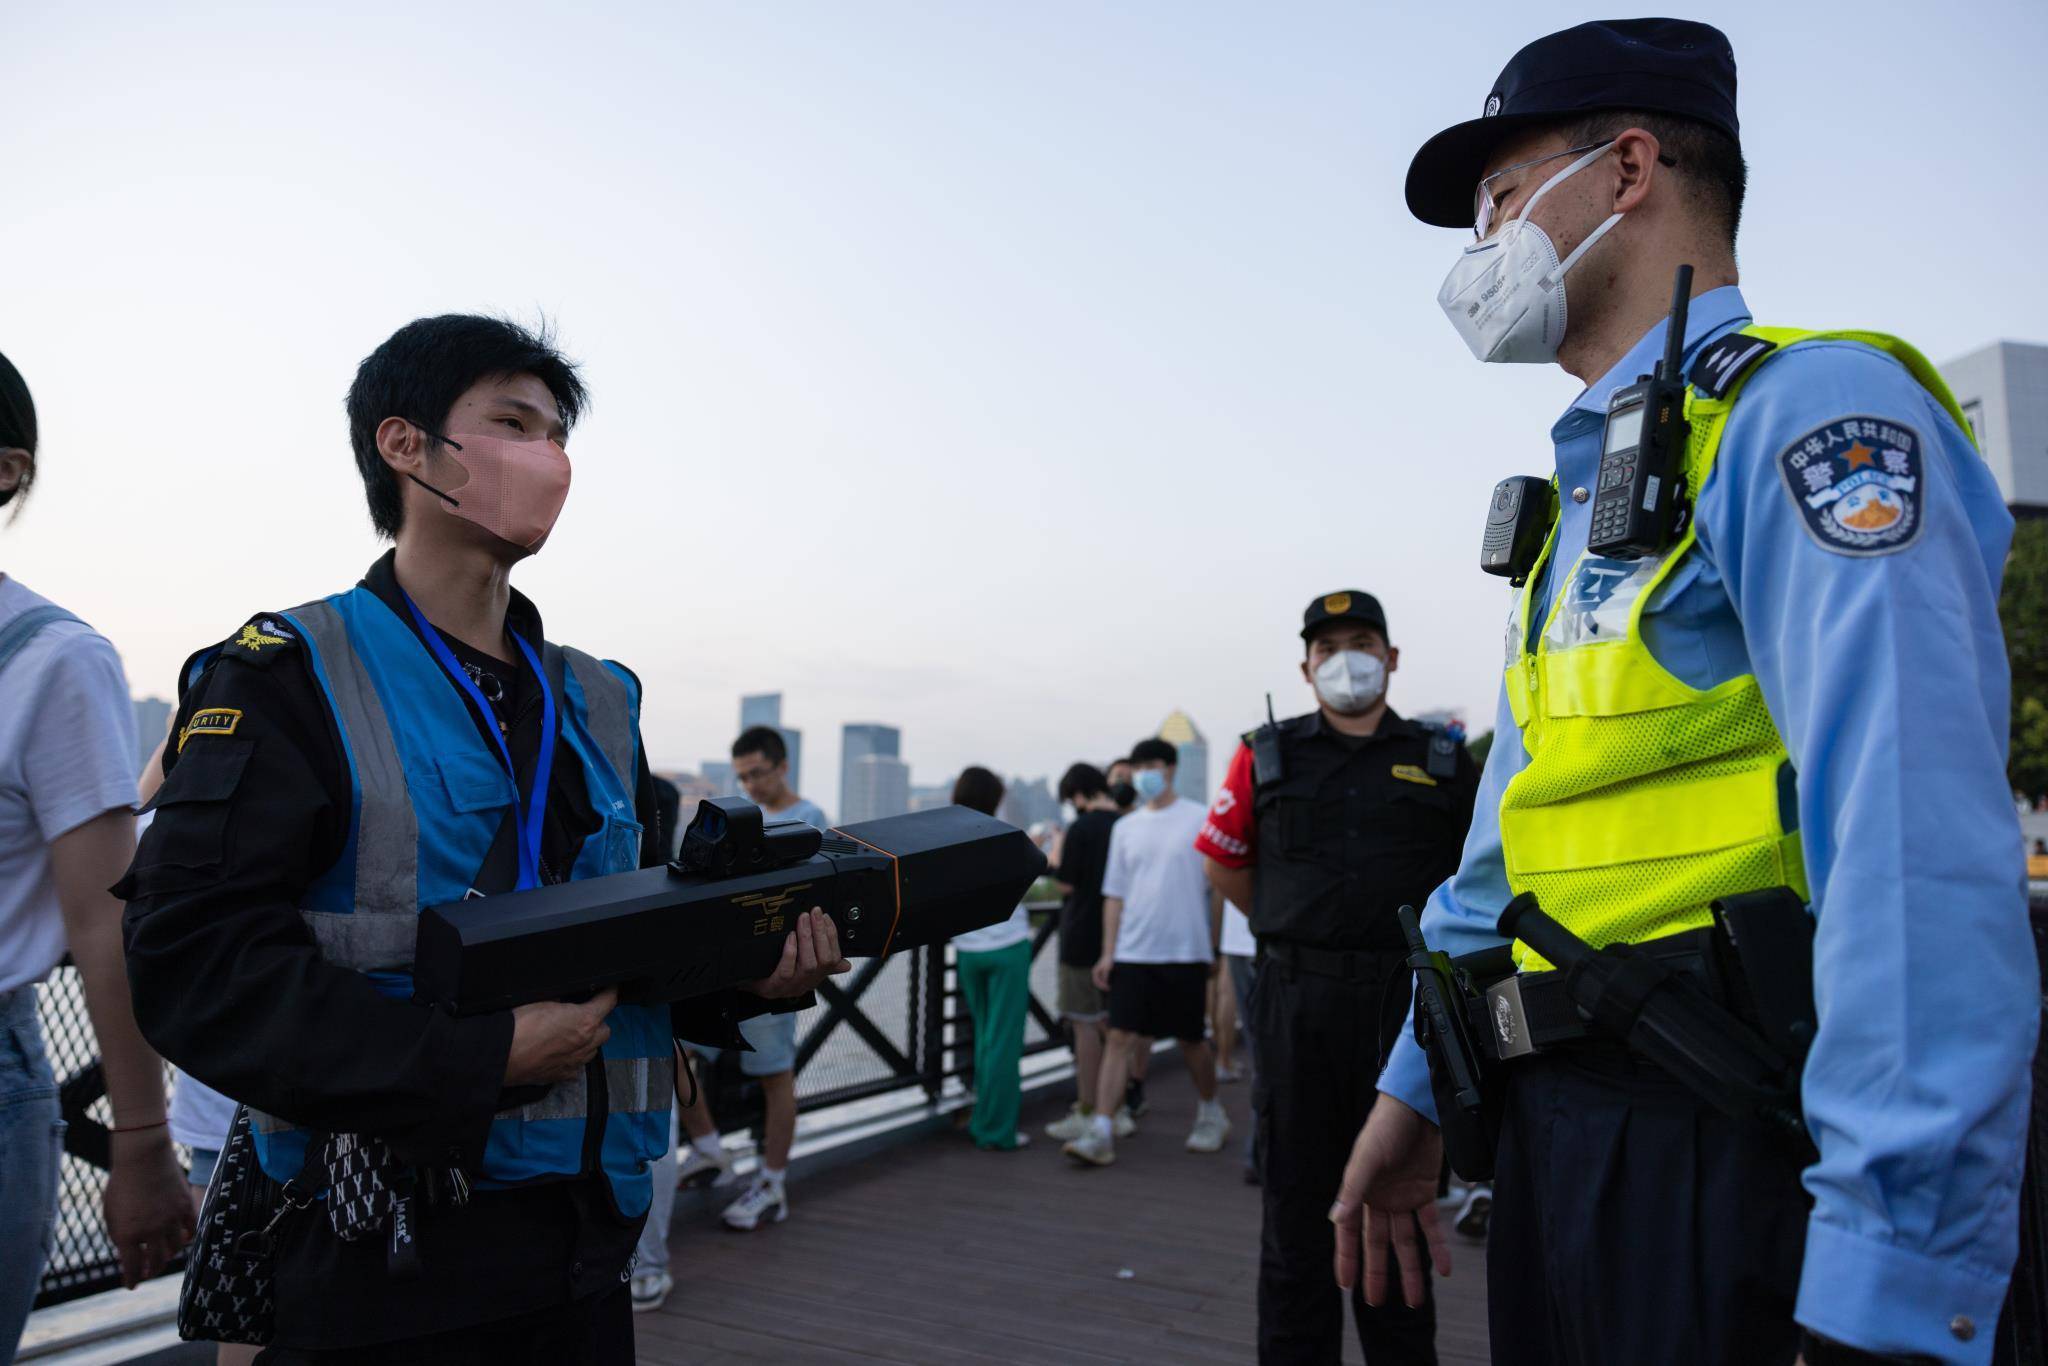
1510	1021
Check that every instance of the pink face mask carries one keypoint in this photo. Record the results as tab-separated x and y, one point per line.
515	489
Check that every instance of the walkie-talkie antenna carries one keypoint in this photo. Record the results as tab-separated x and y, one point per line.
1269	711
1674	331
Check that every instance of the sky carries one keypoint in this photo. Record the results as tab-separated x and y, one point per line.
1012	373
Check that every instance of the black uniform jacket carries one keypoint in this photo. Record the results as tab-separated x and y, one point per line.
228	984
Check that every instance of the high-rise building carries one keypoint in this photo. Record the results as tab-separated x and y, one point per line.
761	709
1028	802
152	722
765	709
858	741
1191	777
879	786
717	775
2003	390
928	796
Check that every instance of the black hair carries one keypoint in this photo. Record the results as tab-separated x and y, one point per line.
424	368
17	423
1709	161
1154	750
1082	781
978	789
1124	759
764	740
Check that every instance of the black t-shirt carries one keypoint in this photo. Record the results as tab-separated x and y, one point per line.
1084	857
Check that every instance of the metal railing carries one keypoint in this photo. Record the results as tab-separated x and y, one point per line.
897	1024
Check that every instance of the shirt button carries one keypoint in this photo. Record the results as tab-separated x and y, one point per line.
1963	1326
1579	495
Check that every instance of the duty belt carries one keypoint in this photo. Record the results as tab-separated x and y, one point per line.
1531	1012
1347	965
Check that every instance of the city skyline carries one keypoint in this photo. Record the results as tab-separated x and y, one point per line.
1031	367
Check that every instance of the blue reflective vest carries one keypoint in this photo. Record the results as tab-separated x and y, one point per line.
427	798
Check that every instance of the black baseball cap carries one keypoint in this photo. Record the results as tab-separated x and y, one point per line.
1663	66
1346	604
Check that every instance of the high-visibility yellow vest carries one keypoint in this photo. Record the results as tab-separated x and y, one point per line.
1645	799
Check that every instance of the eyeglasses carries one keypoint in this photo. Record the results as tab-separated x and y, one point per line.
1485	203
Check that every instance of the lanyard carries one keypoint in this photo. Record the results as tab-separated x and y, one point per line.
532	813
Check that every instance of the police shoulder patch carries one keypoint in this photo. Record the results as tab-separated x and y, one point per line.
1858	483
260	640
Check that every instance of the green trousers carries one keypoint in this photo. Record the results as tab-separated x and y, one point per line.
997	985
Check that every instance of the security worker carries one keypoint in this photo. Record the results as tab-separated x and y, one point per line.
410	742
1803	686
1326	823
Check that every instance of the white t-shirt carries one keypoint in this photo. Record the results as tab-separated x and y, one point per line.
1000	935
1237	933
803	809
1155	871
67	755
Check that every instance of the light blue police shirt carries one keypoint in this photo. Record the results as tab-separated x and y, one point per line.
1887	676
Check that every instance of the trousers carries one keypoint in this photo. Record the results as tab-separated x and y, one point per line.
594	1331
1318	1043
31	1144
1633	1222
997	985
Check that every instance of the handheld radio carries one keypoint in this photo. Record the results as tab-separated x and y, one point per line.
1641	493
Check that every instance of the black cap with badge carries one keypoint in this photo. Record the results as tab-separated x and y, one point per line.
1662	66
1345	605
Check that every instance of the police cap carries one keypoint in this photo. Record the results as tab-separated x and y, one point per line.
1346	604
1662	66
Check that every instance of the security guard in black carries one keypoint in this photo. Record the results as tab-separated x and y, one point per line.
1326	824
255	805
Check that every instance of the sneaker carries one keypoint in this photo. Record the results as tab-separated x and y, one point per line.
1229	1072
650	1290
1134	1098
1211	1129
1092	1149
693	1168
763	1200
1123	1123
1071	1125
1472	1215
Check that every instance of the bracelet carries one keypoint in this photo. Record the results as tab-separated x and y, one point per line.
136	1128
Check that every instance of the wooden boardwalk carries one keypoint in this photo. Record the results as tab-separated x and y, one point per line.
935	1252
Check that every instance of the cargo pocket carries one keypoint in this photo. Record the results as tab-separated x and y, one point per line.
187	841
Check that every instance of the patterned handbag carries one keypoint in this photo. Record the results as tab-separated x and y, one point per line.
229	1293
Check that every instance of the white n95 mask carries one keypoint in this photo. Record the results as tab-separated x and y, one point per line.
1351	681
1506	295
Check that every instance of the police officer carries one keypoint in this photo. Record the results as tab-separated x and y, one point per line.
340	765
1326	823
1804	686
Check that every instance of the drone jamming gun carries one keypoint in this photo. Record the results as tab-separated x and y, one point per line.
718	916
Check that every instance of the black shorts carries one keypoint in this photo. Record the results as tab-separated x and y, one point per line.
1160	1000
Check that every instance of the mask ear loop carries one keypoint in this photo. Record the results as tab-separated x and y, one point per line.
449	499
1552	277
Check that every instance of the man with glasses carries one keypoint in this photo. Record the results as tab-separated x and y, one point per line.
1798	689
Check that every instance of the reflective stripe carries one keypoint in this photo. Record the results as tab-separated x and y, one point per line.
632	1086
387	832
607	712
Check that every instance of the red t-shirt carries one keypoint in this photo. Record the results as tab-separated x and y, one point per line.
1228	835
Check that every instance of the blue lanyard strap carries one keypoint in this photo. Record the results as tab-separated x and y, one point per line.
532	813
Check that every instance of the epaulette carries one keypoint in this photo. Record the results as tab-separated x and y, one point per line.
1724	360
